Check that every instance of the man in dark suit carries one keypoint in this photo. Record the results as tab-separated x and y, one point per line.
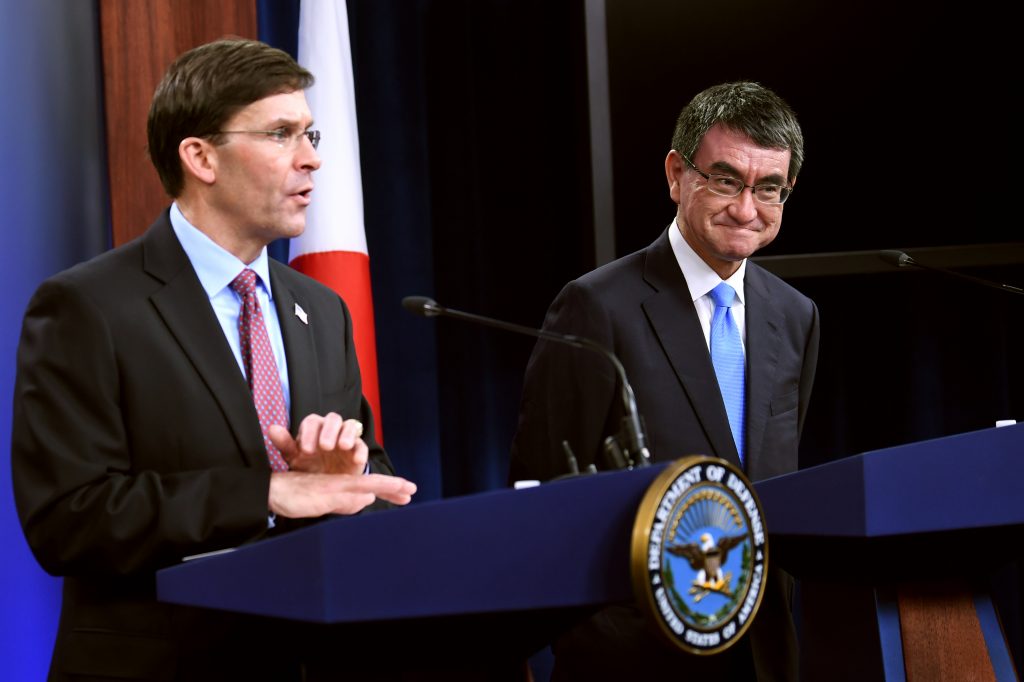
136	437
735	156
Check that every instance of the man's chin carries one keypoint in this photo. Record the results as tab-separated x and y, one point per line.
745	246
736	253
292	229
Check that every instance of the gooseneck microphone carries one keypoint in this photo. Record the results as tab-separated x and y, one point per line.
902	260
630	449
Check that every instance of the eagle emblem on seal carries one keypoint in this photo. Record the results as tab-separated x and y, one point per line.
707	559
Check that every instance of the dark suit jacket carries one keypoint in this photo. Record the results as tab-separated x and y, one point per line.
135	443
640	308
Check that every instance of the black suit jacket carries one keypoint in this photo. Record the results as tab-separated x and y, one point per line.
640	307
135	443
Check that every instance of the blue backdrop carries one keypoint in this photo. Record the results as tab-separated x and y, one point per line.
53	181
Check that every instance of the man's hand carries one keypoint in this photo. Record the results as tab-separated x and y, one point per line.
296	494
327	460
323	445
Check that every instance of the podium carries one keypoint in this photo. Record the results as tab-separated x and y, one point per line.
498	575
912	529
895	549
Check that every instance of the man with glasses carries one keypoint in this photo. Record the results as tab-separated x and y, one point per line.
677	314
184	393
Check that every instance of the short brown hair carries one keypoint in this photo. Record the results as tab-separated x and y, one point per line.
205	87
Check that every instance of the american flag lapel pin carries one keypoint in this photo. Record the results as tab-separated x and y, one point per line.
301	314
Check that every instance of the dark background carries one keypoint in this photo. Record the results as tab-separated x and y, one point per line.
906	109
475	146
475	129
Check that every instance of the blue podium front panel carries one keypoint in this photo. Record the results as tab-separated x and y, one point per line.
938	508
563	544
971	480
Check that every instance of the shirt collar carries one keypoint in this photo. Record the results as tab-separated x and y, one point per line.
215	266
700	278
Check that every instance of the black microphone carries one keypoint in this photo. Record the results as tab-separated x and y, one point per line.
633	452
902	260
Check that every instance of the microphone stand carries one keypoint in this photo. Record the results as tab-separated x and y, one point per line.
902	260
627	448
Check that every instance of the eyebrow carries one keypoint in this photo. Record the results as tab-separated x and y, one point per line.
287	123
722	167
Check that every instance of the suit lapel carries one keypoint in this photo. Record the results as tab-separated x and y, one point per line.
674	320
762	348
185	309
303	380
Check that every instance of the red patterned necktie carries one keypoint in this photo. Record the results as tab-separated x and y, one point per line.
260	367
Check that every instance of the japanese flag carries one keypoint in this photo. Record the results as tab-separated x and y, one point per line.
333	249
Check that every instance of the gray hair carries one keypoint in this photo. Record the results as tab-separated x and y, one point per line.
745	107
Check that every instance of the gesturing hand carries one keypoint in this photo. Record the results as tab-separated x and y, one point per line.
297	494
323	445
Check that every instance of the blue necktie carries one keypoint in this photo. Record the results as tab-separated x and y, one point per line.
727	357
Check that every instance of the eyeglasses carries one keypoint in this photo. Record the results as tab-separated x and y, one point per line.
282	136
728	186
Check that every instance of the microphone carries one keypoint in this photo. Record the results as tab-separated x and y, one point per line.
632	450
902	260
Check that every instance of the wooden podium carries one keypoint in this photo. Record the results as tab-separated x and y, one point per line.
892	547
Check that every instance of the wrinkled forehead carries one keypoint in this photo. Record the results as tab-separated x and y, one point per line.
723	145
279	109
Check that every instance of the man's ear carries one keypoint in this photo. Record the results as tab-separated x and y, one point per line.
674	169
198	159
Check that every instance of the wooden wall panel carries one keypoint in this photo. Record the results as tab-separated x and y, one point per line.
140	39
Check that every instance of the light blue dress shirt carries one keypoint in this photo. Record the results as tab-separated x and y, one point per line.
216	268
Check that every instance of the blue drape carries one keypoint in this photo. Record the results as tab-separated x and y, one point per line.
391	124
54	214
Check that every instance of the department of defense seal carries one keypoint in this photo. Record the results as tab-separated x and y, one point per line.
699	554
